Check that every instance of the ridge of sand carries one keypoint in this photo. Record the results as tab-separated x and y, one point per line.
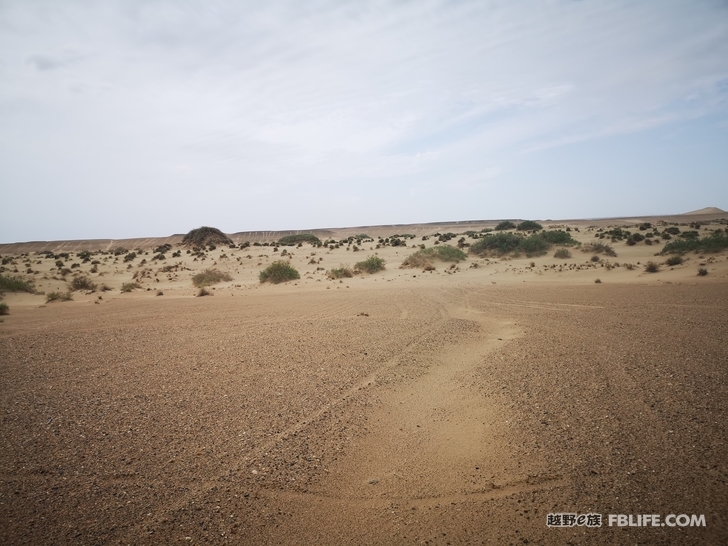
706	210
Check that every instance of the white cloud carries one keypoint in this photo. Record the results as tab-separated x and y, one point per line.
290	94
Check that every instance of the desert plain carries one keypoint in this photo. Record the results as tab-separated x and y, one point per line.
459	403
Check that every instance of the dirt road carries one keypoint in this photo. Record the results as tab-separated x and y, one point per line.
458	413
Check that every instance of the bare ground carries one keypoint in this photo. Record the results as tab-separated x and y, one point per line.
457	413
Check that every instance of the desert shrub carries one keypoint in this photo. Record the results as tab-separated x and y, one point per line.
82	283
209	277
340	272
203	292
161	249
595	258
418	259
535	245
562	253
4	309
129	286
673	230
529	225
277	272
599	248
715	242
160	293
558	237
674	260
16	284
665	235
496	243
597	281
371	265
690	235
505	224
702	272
130	257
58	296
636	237
204	236
652	267
291	240
645	226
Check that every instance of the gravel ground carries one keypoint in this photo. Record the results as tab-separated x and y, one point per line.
430	414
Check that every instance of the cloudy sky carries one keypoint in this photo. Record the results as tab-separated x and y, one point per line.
146	118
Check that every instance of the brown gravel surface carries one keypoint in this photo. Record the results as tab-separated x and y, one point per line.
457	412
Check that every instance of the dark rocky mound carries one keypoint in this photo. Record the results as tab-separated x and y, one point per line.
204	236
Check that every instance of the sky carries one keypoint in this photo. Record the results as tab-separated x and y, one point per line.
139	118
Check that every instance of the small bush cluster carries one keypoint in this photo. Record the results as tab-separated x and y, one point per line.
529	225
4	308
674	260
82	283
209	277
715	242
562	253
278	272
129	286
58	296
599	248
652	267
340	272
504	225
502	243
371	265
16	284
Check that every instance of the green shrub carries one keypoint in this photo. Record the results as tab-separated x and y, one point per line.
209	277
291	240
130	257
16	284
204	236
280	271
535	245
674	260
82	283
715	242
496	243
4	309
58	296
371	265
558	237
529	225
652	267
505	224
562	253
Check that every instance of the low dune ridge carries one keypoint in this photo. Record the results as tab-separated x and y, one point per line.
454	402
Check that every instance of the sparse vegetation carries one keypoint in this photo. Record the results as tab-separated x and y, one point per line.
499	244
58	296
278	272
529	225
652	267
372	264
702	272
562	253
292	240
599	248
505	224
130	286
82	283
674	260
4	308
715	242
341	272
209	277
203	292
445	253
16	284
204	236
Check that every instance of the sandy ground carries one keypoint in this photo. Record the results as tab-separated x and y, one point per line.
458	406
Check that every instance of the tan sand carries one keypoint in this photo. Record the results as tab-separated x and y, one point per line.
458	406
